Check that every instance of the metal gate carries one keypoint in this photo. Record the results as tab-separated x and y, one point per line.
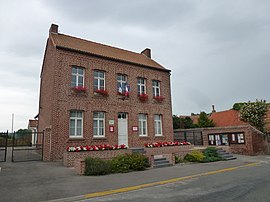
27	146
3	146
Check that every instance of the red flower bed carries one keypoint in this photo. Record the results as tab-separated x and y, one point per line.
165	144
96	148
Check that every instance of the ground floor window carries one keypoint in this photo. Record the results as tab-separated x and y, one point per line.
158	124
226	139
76	124
142	124
99	124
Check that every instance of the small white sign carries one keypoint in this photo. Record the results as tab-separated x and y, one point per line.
111	122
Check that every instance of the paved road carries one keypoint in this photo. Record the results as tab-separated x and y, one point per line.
244	184
42	181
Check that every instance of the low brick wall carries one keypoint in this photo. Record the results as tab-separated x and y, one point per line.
70	157
77	159
177	150
79	166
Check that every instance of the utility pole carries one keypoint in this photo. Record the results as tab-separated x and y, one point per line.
12	123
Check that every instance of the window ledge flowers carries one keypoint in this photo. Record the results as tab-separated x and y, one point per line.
96	148
102	92
79	89
159	98
166	144
143	97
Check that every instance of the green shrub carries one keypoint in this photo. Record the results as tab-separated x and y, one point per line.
129	162
179	160
96	166
195	156
211	155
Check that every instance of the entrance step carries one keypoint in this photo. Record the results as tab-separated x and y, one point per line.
139	150
225	155
161	162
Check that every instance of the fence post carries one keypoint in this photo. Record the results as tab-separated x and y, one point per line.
42	151
13	142
5	159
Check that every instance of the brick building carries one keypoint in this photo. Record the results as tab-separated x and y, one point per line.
91	93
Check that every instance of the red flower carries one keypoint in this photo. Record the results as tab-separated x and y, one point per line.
159	98
143	97
79	89
102	92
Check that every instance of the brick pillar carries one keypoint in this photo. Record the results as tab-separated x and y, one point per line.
47	154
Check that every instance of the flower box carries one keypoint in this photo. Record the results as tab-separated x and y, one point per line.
159	98
102	92
166	144
79	89
143	97
95	148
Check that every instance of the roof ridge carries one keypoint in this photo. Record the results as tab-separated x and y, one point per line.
98	43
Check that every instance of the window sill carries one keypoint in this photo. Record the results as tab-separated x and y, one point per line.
141	136
99	138
71	139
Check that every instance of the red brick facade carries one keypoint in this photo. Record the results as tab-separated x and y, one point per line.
57	99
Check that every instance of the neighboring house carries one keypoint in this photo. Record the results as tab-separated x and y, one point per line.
91	93
33	126
229	131
227	118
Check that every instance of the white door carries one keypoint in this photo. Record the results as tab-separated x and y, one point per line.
122	128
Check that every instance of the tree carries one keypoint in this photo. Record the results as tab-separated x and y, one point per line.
186	123
176	122
238	106
204	121
23	132
254	113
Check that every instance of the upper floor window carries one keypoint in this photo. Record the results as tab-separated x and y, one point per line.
99	124
121	83
99	80
77	76
141	84
143	124
158	125
76	124
156	88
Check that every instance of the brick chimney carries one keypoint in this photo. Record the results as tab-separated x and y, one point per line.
53	29
147	52
213	109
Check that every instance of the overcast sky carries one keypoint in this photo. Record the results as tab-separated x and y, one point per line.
218	51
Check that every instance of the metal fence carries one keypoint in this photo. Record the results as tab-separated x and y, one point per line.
27	146
193	136
3	146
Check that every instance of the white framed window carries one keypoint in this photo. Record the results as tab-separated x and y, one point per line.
142	124
99	80
76	124
77	78
121	83
99	124
141	84
158	124
156	88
